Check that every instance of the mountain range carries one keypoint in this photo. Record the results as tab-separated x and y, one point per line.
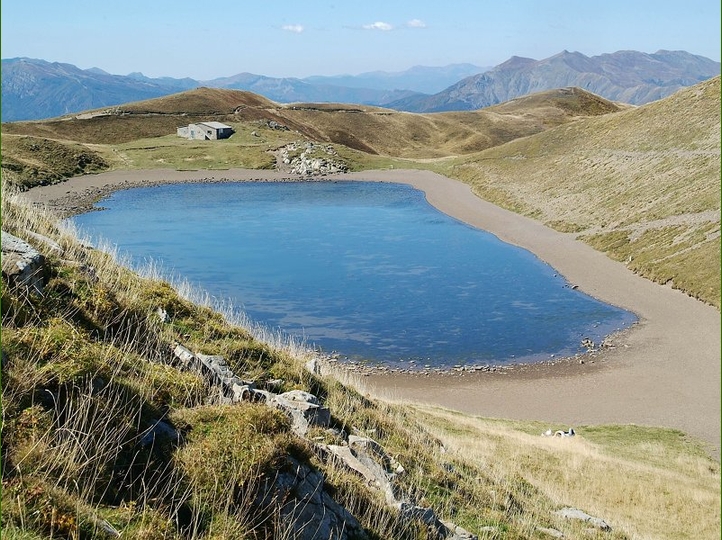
36	89
628	76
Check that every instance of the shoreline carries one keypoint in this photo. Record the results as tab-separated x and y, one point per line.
664	371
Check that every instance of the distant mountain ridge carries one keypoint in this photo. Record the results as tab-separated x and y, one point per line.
628	76
35	89
423	79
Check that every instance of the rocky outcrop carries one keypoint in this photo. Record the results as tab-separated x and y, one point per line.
309	159
367	458
303	408
307	509
22	264
312	512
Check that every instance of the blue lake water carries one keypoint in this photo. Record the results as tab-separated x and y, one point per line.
367	269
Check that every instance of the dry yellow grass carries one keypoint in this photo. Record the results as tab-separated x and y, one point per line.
370	129
641	185
650	483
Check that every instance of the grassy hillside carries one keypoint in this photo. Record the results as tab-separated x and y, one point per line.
369	129
641	185
87	375
87	372
31	161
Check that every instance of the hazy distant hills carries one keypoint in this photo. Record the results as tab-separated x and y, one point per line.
423	79
627	76
36	89
290	90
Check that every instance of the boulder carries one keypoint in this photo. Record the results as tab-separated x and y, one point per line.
436	528
49	243
313	366
554	533
363	465
22	264
160	430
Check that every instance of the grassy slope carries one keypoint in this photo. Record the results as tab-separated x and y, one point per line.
85	334
632	475
85	375
370	129
641	185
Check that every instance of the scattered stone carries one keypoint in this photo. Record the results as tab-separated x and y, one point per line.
457	533
303	409
312	161
163	315
574	513
550	532
275	125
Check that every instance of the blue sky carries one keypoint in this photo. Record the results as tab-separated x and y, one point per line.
283	38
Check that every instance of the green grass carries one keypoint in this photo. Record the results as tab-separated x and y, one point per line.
33	161
688	257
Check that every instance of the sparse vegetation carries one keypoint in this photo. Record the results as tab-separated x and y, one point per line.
633	473
87	375
32	161
641	185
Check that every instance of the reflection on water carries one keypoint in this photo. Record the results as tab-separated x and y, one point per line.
370	270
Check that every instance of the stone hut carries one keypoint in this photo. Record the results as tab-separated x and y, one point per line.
205	131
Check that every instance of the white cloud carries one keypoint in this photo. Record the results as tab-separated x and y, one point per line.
297	28
378	26
416	23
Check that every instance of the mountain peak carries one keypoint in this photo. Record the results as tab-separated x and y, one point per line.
515	62
97	71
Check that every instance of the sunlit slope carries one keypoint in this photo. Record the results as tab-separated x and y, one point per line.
642	185
369	129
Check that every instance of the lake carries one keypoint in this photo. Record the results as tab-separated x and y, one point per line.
368	270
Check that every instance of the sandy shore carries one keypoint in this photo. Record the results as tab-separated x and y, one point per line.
663	372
